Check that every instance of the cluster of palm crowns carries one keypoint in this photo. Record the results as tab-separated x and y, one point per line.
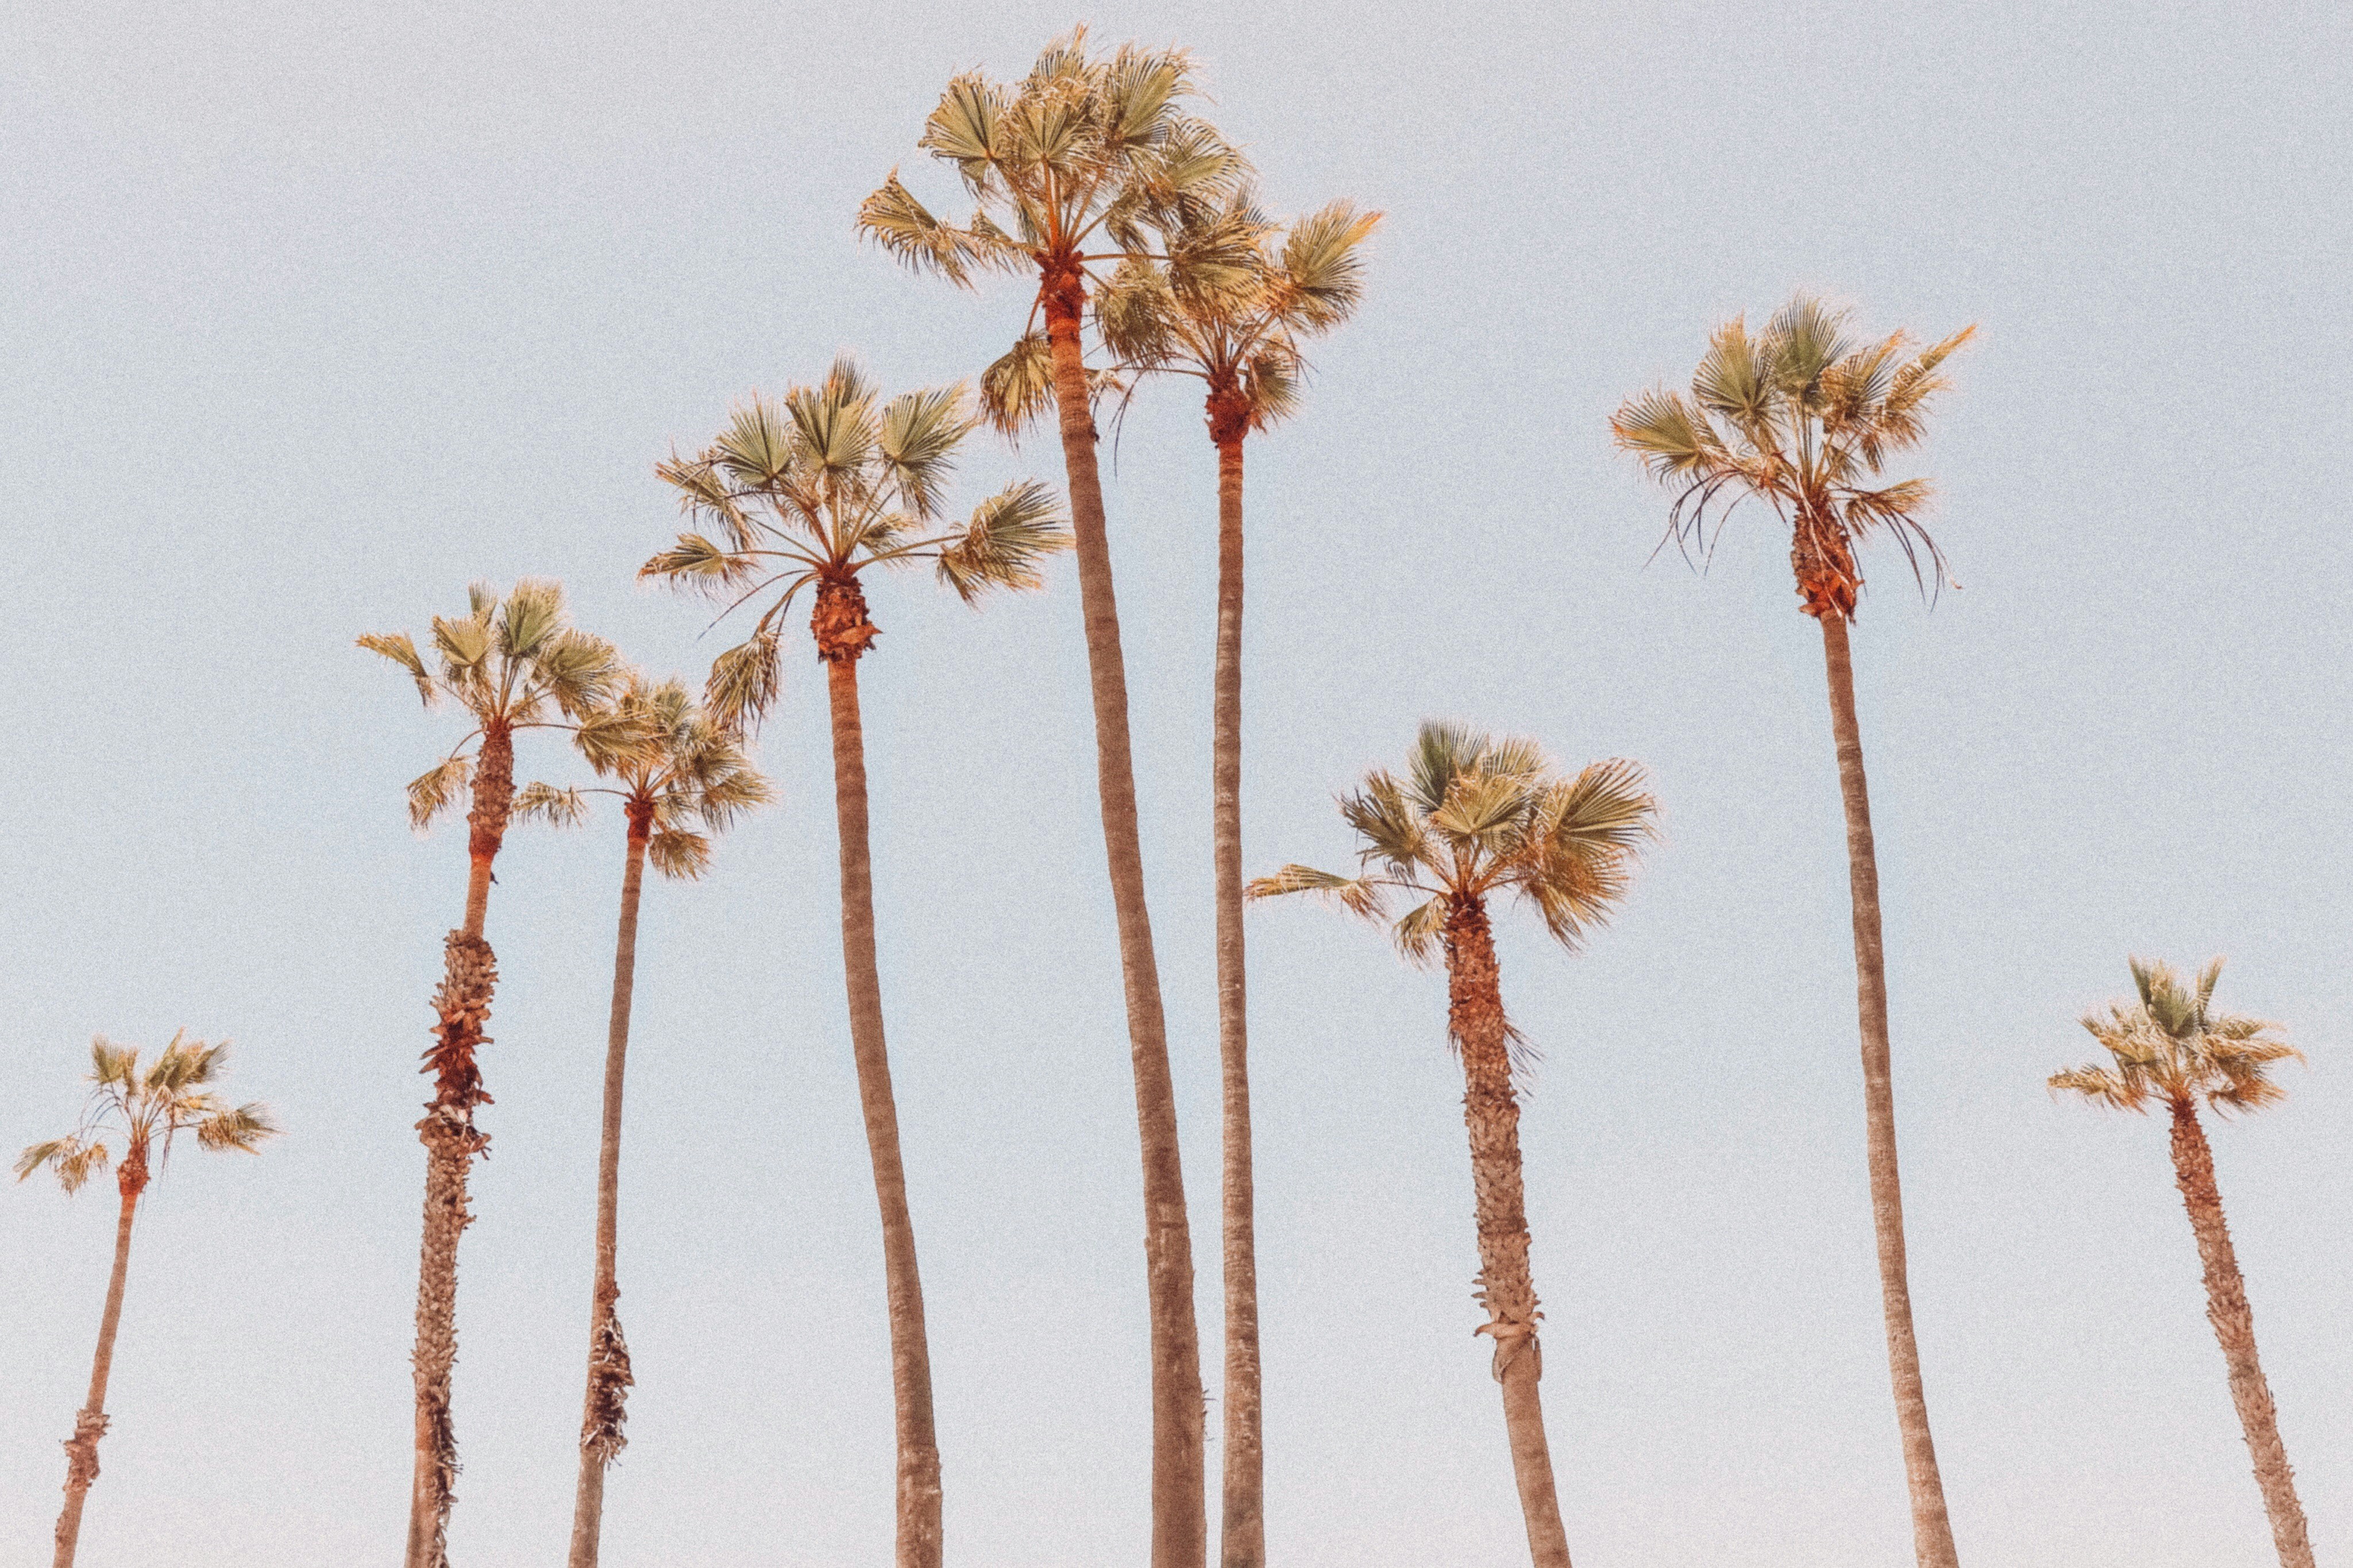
1151	256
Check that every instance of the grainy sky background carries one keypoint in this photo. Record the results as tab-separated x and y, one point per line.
314	311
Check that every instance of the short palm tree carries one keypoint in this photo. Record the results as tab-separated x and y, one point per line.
1072	167
1475	817
1230	305
1801	418
688	772
148	1109
809	493
510	665
2169	1047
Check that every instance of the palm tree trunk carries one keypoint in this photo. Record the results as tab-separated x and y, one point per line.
1932	1529
462	1004
90	1421
2234	1326
1242	1520
1180	1525
1492	1113
601	1436
919	1545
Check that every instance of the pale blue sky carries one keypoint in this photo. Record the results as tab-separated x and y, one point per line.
315	311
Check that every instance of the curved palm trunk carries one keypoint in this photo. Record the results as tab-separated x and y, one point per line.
462	1004
1180	1525
90	1420
843	632
1932	1529
1242	1520
1492	1113
2234	1326
605	1411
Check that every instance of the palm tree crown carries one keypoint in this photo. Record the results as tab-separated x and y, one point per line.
1086	149
817	488
1224	304
1474	816
515	663
1801	418
2171	1047
687	771
173	1095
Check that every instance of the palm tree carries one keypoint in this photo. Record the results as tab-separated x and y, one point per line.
1092	149
510	665
1230	308
148	1109
809	493
2170	1047
1801	419
688	771
1477	816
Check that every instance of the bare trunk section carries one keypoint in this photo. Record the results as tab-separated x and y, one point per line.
2234	1326
462	1004
1932	1529
90	1420
604	1410
1180	1526
1243	1520
1492	1113
843	633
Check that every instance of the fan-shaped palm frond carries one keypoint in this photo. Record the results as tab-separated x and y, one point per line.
2167	1046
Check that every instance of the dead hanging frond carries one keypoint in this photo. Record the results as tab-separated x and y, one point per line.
81	1448
601	1432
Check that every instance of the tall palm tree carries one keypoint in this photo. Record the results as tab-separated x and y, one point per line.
1231	307
1092	149
1473	818
2170	1047
809	493
148	1109
688	771
509	664
1801	418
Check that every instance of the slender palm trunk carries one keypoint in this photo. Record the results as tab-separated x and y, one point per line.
1932	1529
462	1005
1180	1525
1492	1113
604	1412
2234	1326
843	633
1242	1520
90	1421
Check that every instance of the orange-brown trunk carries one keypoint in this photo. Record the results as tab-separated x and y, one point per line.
2234	1328
1180	1526
92	1421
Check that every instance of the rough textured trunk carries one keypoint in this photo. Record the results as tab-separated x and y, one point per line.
1180	1525
90	1420
1492	1113
843	633
1932	1529
2234	1326
604	1410
462	1005
1242	1520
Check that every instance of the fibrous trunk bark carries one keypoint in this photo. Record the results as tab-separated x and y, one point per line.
1931	1530
1243	1520
843	633
1490	1110
2234	1326
90	1420
604	1410
1179	1487
462	1005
